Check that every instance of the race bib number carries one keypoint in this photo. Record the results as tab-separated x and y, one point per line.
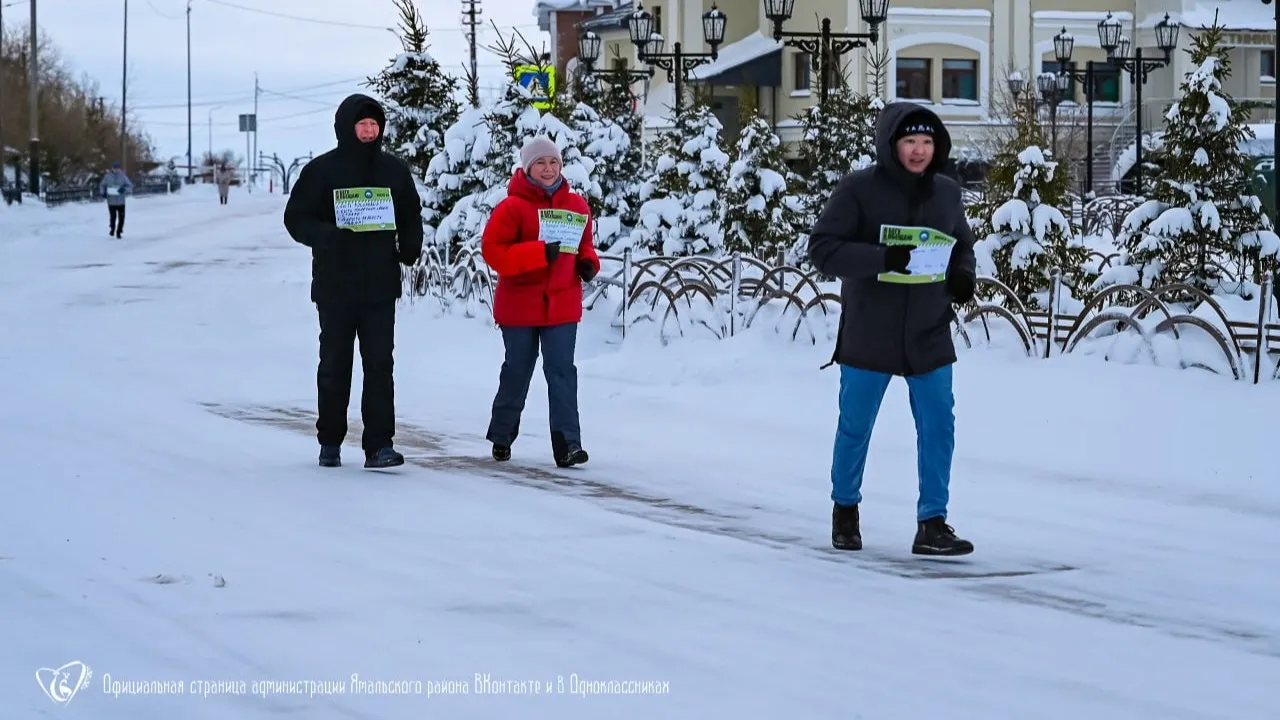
930	254
563	227
364	209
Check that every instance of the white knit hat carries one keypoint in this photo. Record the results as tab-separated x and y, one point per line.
535	149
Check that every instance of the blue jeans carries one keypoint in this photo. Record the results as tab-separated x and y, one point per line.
558	343
932	406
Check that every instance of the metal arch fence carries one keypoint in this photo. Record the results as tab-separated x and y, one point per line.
729	295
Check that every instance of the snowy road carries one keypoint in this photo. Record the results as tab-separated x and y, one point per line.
163	521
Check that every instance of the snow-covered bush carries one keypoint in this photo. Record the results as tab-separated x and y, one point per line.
452	181
1023	234
762	216
1202	213
682	211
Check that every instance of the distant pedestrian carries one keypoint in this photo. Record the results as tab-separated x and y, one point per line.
115	187
358	209
894	324
538	240
223	177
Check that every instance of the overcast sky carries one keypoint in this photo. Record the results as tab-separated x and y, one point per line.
306	63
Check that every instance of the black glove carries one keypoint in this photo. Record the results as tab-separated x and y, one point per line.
586	269
896	258
961	287
553	252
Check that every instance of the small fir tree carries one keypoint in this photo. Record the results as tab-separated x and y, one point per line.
622	179
452	183
839	136
761	217
417	95
1202	211
683	213
1024	235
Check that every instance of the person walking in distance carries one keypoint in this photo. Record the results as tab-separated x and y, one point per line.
538	241
223	176
115	187
358	210
897	236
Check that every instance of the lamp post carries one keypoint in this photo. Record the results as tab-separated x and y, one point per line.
1275	171
828	46
1064	45
649	46
1113	40
589	54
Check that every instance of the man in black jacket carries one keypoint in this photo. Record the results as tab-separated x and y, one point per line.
896	312
358	210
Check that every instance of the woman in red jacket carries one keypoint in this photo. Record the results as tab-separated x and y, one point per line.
538	241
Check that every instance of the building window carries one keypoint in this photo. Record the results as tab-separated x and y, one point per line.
803	62
1106	83
960	80
657	19
1269	65
912	79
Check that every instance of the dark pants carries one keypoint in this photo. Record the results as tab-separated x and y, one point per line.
340	325
116	215
558	343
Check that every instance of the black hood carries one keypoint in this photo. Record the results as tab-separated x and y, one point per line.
344	120
892	117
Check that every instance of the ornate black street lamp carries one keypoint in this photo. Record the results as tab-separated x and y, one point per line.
1052	90
649	46
1112	39
589	55
1063	46
827	47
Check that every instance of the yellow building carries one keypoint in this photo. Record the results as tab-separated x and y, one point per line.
954	55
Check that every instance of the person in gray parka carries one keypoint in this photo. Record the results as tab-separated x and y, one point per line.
223	176
115	186
897	312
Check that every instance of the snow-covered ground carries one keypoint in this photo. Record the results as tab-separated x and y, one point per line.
164	525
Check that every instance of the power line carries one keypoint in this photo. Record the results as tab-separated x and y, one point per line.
357	26
260	120
165	105
157	11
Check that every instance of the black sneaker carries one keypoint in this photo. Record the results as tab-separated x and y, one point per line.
846	531
383	458
501	453
330	455
935	537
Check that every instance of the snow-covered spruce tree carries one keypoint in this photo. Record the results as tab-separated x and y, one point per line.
762	217
839	136
682	212
453	182
418	96
1202	212
1023	233
623	177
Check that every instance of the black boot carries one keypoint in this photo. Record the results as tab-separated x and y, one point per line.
385	457
935	537
566	454
501	453
846	531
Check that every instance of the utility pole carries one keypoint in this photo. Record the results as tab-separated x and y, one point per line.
4	155
35	105
190	169
256	91
471	20
124	93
